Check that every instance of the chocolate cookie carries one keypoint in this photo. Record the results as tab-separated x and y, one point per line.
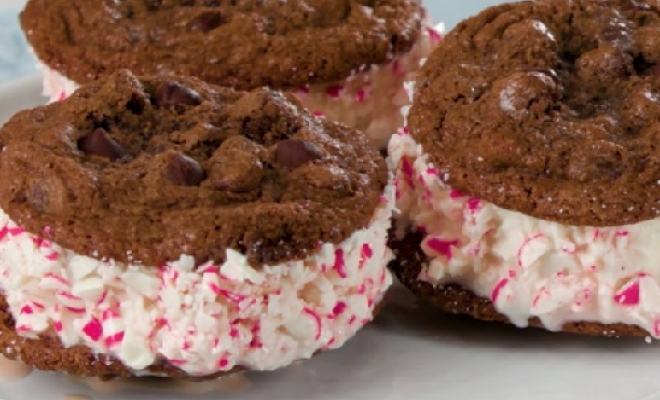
557	102
529	174
182	229
348	58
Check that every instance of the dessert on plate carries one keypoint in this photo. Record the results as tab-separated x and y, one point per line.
346	59
162	226
528	180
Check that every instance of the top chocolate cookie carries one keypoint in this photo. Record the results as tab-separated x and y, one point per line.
243	44
146	170
550	108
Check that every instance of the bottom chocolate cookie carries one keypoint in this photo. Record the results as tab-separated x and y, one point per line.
454	299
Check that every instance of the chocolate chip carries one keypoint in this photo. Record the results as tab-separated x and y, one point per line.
99	143
207	22
182	170
173	93
292	153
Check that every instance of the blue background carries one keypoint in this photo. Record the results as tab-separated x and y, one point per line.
17	62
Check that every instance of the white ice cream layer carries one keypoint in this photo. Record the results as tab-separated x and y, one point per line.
526	266
203	320
369	100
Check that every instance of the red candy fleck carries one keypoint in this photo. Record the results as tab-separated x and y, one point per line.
27	310
317	320
210	270
93	329
597	234
474	204
58	326
229	295
497	289
318	114
335	91
407	172
53	256
339	308
432	171
365	254
340	265
628	295
4	232
103	297
112	341
360	96
223	363
57	278
442	247
352	320
15	231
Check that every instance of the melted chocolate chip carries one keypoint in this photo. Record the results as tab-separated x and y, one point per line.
99	143
173	94
292	153
182	170
207	22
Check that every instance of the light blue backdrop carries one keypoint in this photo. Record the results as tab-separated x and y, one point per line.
452	11
16	62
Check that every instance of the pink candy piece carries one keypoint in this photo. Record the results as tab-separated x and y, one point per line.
112	341
340	265
455	194
474	204
497	289
93	329
317	320
628	295
365	254
434	35
339	308
442	247
408	172
27	310
524	246
15	231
